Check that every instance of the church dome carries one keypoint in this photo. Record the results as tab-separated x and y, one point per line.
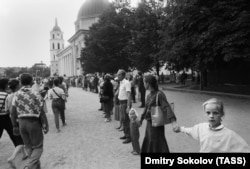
92	8
57	28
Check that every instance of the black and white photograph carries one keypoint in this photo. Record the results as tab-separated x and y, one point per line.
118	84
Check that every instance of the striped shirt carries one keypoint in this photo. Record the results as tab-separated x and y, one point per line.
3	96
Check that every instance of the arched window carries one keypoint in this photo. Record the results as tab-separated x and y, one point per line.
54	57
53	46
58	45
53	36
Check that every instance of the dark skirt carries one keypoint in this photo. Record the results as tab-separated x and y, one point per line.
154	140
108	107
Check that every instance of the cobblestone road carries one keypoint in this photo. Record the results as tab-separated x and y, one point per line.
89	143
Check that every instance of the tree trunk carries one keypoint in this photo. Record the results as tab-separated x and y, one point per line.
157	68
192	75
205	78
201	80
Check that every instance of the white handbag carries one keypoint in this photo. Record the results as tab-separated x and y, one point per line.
159	118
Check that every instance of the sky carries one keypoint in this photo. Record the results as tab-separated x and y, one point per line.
25	27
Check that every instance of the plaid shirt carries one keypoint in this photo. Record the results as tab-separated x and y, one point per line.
27	103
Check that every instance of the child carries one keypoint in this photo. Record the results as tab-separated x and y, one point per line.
134	131
213	136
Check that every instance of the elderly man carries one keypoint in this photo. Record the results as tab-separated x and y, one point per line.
124	97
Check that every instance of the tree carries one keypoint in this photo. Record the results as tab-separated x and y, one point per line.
205	35
11	73
106	42
146	38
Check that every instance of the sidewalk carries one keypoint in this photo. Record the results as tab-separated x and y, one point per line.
191	87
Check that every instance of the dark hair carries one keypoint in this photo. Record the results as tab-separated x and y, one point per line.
50	83
107	77
151	80
60	79
26	79
13	84
130	77
56	82
3	83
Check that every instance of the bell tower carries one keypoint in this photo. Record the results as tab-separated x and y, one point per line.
56	44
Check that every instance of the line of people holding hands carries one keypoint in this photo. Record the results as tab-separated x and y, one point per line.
212	135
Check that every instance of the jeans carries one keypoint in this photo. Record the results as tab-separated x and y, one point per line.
58	110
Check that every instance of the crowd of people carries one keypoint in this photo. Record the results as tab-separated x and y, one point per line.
23	114
117	92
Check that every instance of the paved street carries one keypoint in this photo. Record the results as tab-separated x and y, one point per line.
89	143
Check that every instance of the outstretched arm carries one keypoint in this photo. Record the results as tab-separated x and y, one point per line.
44	121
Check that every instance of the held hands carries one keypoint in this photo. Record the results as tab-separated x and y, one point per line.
16	131
128	109
176	127
45	128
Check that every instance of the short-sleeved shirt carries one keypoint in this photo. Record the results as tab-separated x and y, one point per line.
37	88
125	86
27	103
53	95
8	102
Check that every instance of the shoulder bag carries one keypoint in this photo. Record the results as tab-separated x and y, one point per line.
57	94
159	118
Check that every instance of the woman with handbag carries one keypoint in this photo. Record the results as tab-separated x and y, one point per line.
58	103
154	140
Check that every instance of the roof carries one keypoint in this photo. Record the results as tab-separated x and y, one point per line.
56	27
92	8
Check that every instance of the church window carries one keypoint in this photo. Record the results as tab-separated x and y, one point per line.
54	57
53	36
58	45
53	46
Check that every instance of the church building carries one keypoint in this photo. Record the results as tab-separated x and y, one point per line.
67	60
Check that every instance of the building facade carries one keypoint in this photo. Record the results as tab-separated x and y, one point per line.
66	61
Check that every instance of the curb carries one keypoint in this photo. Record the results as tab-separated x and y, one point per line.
207	93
